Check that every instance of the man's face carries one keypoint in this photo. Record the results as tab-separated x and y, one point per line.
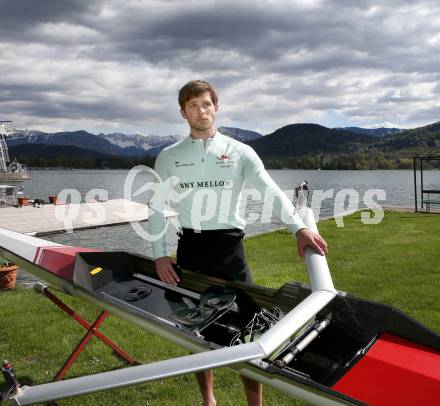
200	112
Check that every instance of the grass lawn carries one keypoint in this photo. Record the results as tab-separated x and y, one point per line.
395	262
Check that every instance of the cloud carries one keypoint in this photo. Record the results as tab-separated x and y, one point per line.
117	65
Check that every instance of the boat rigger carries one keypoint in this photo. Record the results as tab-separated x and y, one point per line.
316	344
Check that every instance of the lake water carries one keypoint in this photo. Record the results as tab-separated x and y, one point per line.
397	185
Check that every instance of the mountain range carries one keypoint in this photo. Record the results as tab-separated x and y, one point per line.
111	144
294	140
301	139
114	143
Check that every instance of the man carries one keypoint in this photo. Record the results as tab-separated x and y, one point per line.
211	170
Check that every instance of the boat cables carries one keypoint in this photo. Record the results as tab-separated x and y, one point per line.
261	322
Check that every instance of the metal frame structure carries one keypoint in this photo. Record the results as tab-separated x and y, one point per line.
92	331
4	156
418	164
9	171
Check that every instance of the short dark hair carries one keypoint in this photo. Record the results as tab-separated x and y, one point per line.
196	88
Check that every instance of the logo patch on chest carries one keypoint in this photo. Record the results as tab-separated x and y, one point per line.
225	160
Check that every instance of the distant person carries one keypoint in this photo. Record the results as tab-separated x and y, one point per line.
213	168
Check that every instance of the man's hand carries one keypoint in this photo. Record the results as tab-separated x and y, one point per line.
307	238
165	271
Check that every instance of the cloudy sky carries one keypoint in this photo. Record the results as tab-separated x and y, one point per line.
117	65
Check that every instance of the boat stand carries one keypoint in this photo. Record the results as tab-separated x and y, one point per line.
92	330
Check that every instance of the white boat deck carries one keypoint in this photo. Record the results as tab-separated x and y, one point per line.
52	218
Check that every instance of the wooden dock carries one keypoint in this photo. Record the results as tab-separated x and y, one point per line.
57	218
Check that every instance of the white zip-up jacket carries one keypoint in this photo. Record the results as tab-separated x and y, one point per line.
206	181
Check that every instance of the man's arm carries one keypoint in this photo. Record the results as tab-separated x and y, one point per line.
157	223
283	209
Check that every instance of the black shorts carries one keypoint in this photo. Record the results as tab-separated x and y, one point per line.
216	253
